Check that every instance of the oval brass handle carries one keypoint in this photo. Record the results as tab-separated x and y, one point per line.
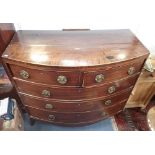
49	106
24	74
111	89
131	70
108	102
46	93
51	117
99	78
62	79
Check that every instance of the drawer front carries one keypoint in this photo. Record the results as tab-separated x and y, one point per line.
61	93
58	78
73	118
74	106
108	75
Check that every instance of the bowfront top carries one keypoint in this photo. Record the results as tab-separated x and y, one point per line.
74	48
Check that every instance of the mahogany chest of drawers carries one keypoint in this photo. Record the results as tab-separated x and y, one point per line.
74	78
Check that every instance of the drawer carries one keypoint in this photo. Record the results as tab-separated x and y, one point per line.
74	106
58	78
74	118
61	93
108	75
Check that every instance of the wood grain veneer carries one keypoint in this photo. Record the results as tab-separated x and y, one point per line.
74	77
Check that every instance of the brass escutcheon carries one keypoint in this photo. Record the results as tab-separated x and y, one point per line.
51	117
99	78
62	79
131	70
108	102
48	106
46	93
24	74
111	89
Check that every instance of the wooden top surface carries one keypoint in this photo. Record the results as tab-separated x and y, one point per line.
74	48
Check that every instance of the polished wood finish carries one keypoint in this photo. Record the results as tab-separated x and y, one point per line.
75	119
116	72
68	106
63	93
74	48
74	77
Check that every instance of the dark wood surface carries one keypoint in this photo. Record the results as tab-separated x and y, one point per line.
7	31
75	119
61	93
78	119
71	107
74	48
91	63
77	78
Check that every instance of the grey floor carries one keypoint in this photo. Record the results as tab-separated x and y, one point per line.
105	125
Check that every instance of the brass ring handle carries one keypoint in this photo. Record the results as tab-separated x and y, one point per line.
111	89
51	117
99	78
62	79
131	70
46	93
49	106
24	74
108	102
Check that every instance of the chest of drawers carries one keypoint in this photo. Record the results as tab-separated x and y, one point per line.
74	78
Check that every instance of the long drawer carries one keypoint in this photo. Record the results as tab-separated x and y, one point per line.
53	106
77	77
75	118
62	93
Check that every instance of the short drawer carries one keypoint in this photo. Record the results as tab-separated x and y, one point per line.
54	106
114	73
58	78
74	118
61	93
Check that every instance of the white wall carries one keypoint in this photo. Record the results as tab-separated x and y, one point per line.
137	15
